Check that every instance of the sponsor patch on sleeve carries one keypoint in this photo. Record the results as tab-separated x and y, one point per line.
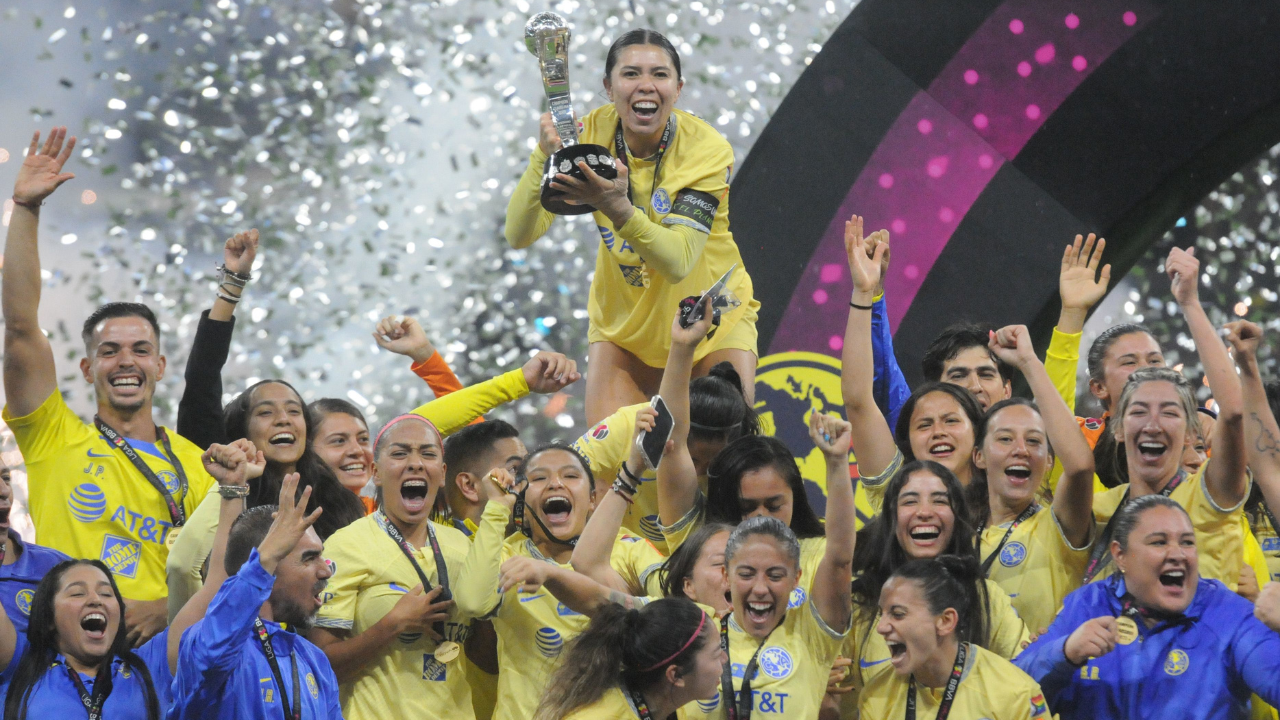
693	208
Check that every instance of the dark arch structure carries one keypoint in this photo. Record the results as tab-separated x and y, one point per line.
985	135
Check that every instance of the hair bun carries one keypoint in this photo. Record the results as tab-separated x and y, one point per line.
963	569
725	371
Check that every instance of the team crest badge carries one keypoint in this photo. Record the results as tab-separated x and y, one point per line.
1177	662
1013	554
23	601
661	201
797	598
776	662
312	687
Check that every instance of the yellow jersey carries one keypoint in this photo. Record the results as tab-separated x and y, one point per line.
88	500
1269	541
991	688
1219	531
456	410
533	628
612	705
1037	567
371	574
675	245
793	666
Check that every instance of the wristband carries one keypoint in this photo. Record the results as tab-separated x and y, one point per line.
30	206
233	492
231	277
630	474
227	297
624	491
856	306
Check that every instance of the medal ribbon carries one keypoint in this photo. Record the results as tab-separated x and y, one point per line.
641	706
1024	516
948	694
442	571
620	149
739	707
270	652
1100	556
176	512
101	689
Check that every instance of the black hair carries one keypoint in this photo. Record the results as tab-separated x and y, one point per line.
718	411
324	407
625	647
1128	516
1109	459
341	506
42	636
952	581
879	555
469	444
246	533
678	567
744	455
954	340
523	471
769	527
640	36
118	310
970	406
1104	341
978	493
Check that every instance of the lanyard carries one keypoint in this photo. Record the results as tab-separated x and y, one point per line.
738	708
1024	516
638	700
620	149
1100	556
948	695
270	652
1271	518
517	518
442	571
101	689
176	512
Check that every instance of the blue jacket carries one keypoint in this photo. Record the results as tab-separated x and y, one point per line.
18	581
223	673
1201	667
55	696
889	387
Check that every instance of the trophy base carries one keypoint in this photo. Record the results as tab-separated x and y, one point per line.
565	161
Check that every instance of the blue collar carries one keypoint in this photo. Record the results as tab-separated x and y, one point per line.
1193	612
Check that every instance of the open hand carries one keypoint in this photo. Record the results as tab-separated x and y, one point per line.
291	522
41	171
524	573
608	196
550	372
1079	284
403	335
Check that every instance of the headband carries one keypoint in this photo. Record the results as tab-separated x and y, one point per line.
698	631
408	416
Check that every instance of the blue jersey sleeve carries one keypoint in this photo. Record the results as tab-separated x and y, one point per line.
889	387
1255	657
1045	660
212	646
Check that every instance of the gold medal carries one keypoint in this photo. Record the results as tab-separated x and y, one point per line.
172	537
1126	630
447	651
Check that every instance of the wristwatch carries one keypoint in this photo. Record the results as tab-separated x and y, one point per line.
233	492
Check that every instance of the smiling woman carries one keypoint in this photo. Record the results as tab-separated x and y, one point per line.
664	225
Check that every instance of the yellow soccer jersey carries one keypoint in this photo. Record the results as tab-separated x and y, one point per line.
1270	542
533	628
677	244
613	705
454	411
1037	567
793	667
88	501
371	574
1219	536
991	688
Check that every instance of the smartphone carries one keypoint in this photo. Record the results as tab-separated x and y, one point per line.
652	442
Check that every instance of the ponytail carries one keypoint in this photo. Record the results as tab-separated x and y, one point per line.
952	581
621	647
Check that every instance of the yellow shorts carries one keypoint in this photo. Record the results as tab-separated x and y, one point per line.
742	336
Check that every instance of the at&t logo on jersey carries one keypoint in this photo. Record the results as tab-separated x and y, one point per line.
121	555
549	642
1013	554
797	598
776	662
87	502
23	601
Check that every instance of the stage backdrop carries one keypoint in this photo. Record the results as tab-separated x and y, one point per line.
984	136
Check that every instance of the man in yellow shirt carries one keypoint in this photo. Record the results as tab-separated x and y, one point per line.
118	490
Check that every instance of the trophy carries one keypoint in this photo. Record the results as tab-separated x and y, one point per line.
547	37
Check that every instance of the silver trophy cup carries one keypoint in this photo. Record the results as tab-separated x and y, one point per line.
547	37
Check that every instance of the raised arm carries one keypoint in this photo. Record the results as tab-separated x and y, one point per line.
677	478
527	220
595	546
474	587
200	409
546	372
403	335
578	592
29	373
1225	477
1073	500
1262	433
835	571
871	436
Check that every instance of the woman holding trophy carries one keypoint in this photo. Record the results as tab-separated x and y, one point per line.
657	180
